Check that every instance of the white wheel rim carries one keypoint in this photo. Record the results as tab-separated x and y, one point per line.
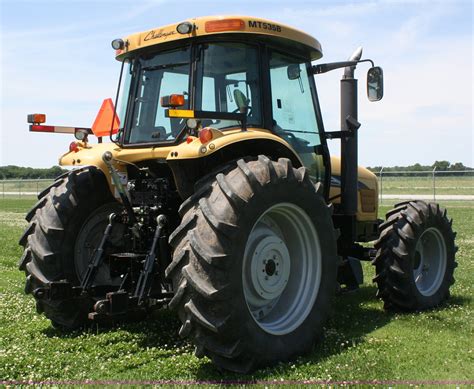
281	268
430	261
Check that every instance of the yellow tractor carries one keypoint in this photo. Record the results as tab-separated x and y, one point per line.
217	197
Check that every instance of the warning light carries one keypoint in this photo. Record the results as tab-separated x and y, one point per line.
36	118
172	101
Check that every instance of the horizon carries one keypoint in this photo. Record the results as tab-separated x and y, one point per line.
56	59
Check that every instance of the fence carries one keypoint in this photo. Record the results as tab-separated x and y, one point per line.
23	188
430	185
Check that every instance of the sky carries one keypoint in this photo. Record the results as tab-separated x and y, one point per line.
56	58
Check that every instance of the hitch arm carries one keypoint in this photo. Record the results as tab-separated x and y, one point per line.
146	275
98	255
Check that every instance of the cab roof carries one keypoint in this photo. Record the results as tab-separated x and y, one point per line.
222	25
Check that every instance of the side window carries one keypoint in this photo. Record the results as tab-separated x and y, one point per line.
294	117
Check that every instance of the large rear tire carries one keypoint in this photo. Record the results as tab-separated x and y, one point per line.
415	257
49	241
254	265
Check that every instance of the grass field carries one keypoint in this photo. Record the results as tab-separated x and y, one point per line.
424	185
362	341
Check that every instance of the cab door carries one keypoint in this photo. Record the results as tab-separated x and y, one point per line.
293	110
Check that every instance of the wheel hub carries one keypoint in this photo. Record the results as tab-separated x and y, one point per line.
270	267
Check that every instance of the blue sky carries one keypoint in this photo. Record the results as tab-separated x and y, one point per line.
56	59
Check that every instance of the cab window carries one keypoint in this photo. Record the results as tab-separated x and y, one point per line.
294	117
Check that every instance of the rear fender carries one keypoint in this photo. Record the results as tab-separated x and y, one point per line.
189	161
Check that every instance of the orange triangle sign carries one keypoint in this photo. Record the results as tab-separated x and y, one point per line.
103	121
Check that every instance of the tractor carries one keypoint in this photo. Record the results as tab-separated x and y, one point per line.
215	196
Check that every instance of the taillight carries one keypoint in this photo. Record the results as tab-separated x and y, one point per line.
73	147
205	135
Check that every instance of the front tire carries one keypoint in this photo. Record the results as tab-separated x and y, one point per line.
415	257
254	265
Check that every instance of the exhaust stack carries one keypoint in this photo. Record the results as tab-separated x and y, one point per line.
349	146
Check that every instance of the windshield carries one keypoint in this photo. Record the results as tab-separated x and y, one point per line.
156	76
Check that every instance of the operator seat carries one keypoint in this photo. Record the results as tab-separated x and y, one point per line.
241	100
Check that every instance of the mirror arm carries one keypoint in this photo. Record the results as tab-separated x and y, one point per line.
327	67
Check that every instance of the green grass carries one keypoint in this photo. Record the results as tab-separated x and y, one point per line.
362	341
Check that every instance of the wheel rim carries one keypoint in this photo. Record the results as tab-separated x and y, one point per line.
281	268
430	261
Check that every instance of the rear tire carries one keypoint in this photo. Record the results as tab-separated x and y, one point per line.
219	274
49	240
415	257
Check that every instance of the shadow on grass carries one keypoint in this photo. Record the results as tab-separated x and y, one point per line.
354	316
160	330
457	300
351	320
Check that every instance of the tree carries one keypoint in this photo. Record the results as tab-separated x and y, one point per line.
458	166
441	165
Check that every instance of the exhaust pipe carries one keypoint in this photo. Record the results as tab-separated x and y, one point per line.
349	146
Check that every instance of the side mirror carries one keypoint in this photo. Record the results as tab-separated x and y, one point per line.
293	71
375	83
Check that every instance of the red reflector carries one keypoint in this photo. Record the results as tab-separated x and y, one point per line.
189	139
224	25
73	147
205	135
38	128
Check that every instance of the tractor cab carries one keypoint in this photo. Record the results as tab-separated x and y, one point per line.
230	73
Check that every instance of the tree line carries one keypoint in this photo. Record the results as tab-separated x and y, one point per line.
19	172
439	165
